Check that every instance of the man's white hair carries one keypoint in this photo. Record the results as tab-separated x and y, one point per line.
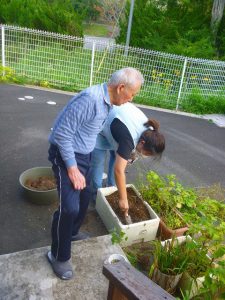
128	76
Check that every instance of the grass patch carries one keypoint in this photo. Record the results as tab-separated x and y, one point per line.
68	67
199	104
100	30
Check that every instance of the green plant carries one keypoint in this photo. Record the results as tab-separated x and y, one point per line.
54	16
117	236
197	103
214	284
132	259
164	195
6	74
205	217
172	257
207	226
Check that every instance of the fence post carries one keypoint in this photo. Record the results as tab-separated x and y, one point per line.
92	62
3	47
181	83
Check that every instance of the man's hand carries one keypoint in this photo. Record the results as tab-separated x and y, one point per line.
124	207
76	178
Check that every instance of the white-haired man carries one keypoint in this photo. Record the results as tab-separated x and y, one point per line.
71	142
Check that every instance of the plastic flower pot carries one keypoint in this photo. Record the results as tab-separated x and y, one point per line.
165	233
167	282
39	197
189	285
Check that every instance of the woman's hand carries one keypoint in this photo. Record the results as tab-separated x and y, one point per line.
124	206
77	179
120	177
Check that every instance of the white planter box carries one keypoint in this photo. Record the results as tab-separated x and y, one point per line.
137	232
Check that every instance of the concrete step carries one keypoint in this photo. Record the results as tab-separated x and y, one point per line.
28	275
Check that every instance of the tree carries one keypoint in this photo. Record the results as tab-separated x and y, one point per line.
55	15
87	9
111	10
175	26
217	14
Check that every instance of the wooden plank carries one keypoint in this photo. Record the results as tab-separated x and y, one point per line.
115	294
132	284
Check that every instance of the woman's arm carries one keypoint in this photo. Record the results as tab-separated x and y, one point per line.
120	177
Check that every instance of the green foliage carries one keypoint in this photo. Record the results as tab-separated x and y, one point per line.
96	29
54	16
172	257
86	9
132	259
199	104
8	75
201	47
214	283
220	41
164	195
181	27
118	236
206	220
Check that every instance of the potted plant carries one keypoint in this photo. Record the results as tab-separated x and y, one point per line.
171	258
205	273
163	195
205	217
193	277
177	205
137	231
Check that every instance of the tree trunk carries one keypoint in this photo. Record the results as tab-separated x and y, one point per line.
217	14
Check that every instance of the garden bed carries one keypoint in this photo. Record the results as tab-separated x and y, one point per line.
137	209
145	220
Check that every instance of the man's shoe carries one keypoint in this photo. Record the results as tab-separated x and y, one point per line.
80	236
62	269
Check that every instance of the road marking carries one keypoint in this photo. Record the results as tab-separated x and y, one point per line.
51	103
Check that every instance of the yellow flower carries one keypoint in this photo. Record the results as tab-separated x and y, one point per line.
177	72
168	83
44	83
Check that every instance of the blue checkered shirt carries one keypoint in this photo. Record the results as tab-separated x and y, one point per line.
78	124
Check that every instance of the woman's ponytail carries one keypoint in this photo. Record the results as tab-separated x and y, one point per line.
152	123
154	140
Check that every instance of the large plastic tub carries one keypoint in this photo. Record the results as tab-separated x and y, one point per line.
137	232
36	196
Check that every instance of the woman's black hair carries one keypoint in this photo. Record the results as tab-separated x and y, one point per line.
154	140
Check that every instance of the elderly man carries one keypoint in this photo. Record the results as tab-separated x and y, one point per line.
71	142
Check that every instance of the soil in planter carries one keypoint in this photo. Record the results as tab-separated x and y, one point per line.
137	210
141	255
42	183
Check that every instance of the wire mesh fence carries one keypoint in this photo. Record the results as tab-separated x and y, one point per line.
75	63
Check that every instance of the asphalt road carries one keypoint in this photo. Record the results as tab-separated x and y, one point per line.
195	152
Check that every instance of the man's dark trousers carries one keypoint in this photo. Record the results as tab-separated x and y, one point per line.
73	204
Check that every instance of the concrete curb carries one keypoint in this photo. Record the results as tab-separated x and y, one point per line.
28	275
